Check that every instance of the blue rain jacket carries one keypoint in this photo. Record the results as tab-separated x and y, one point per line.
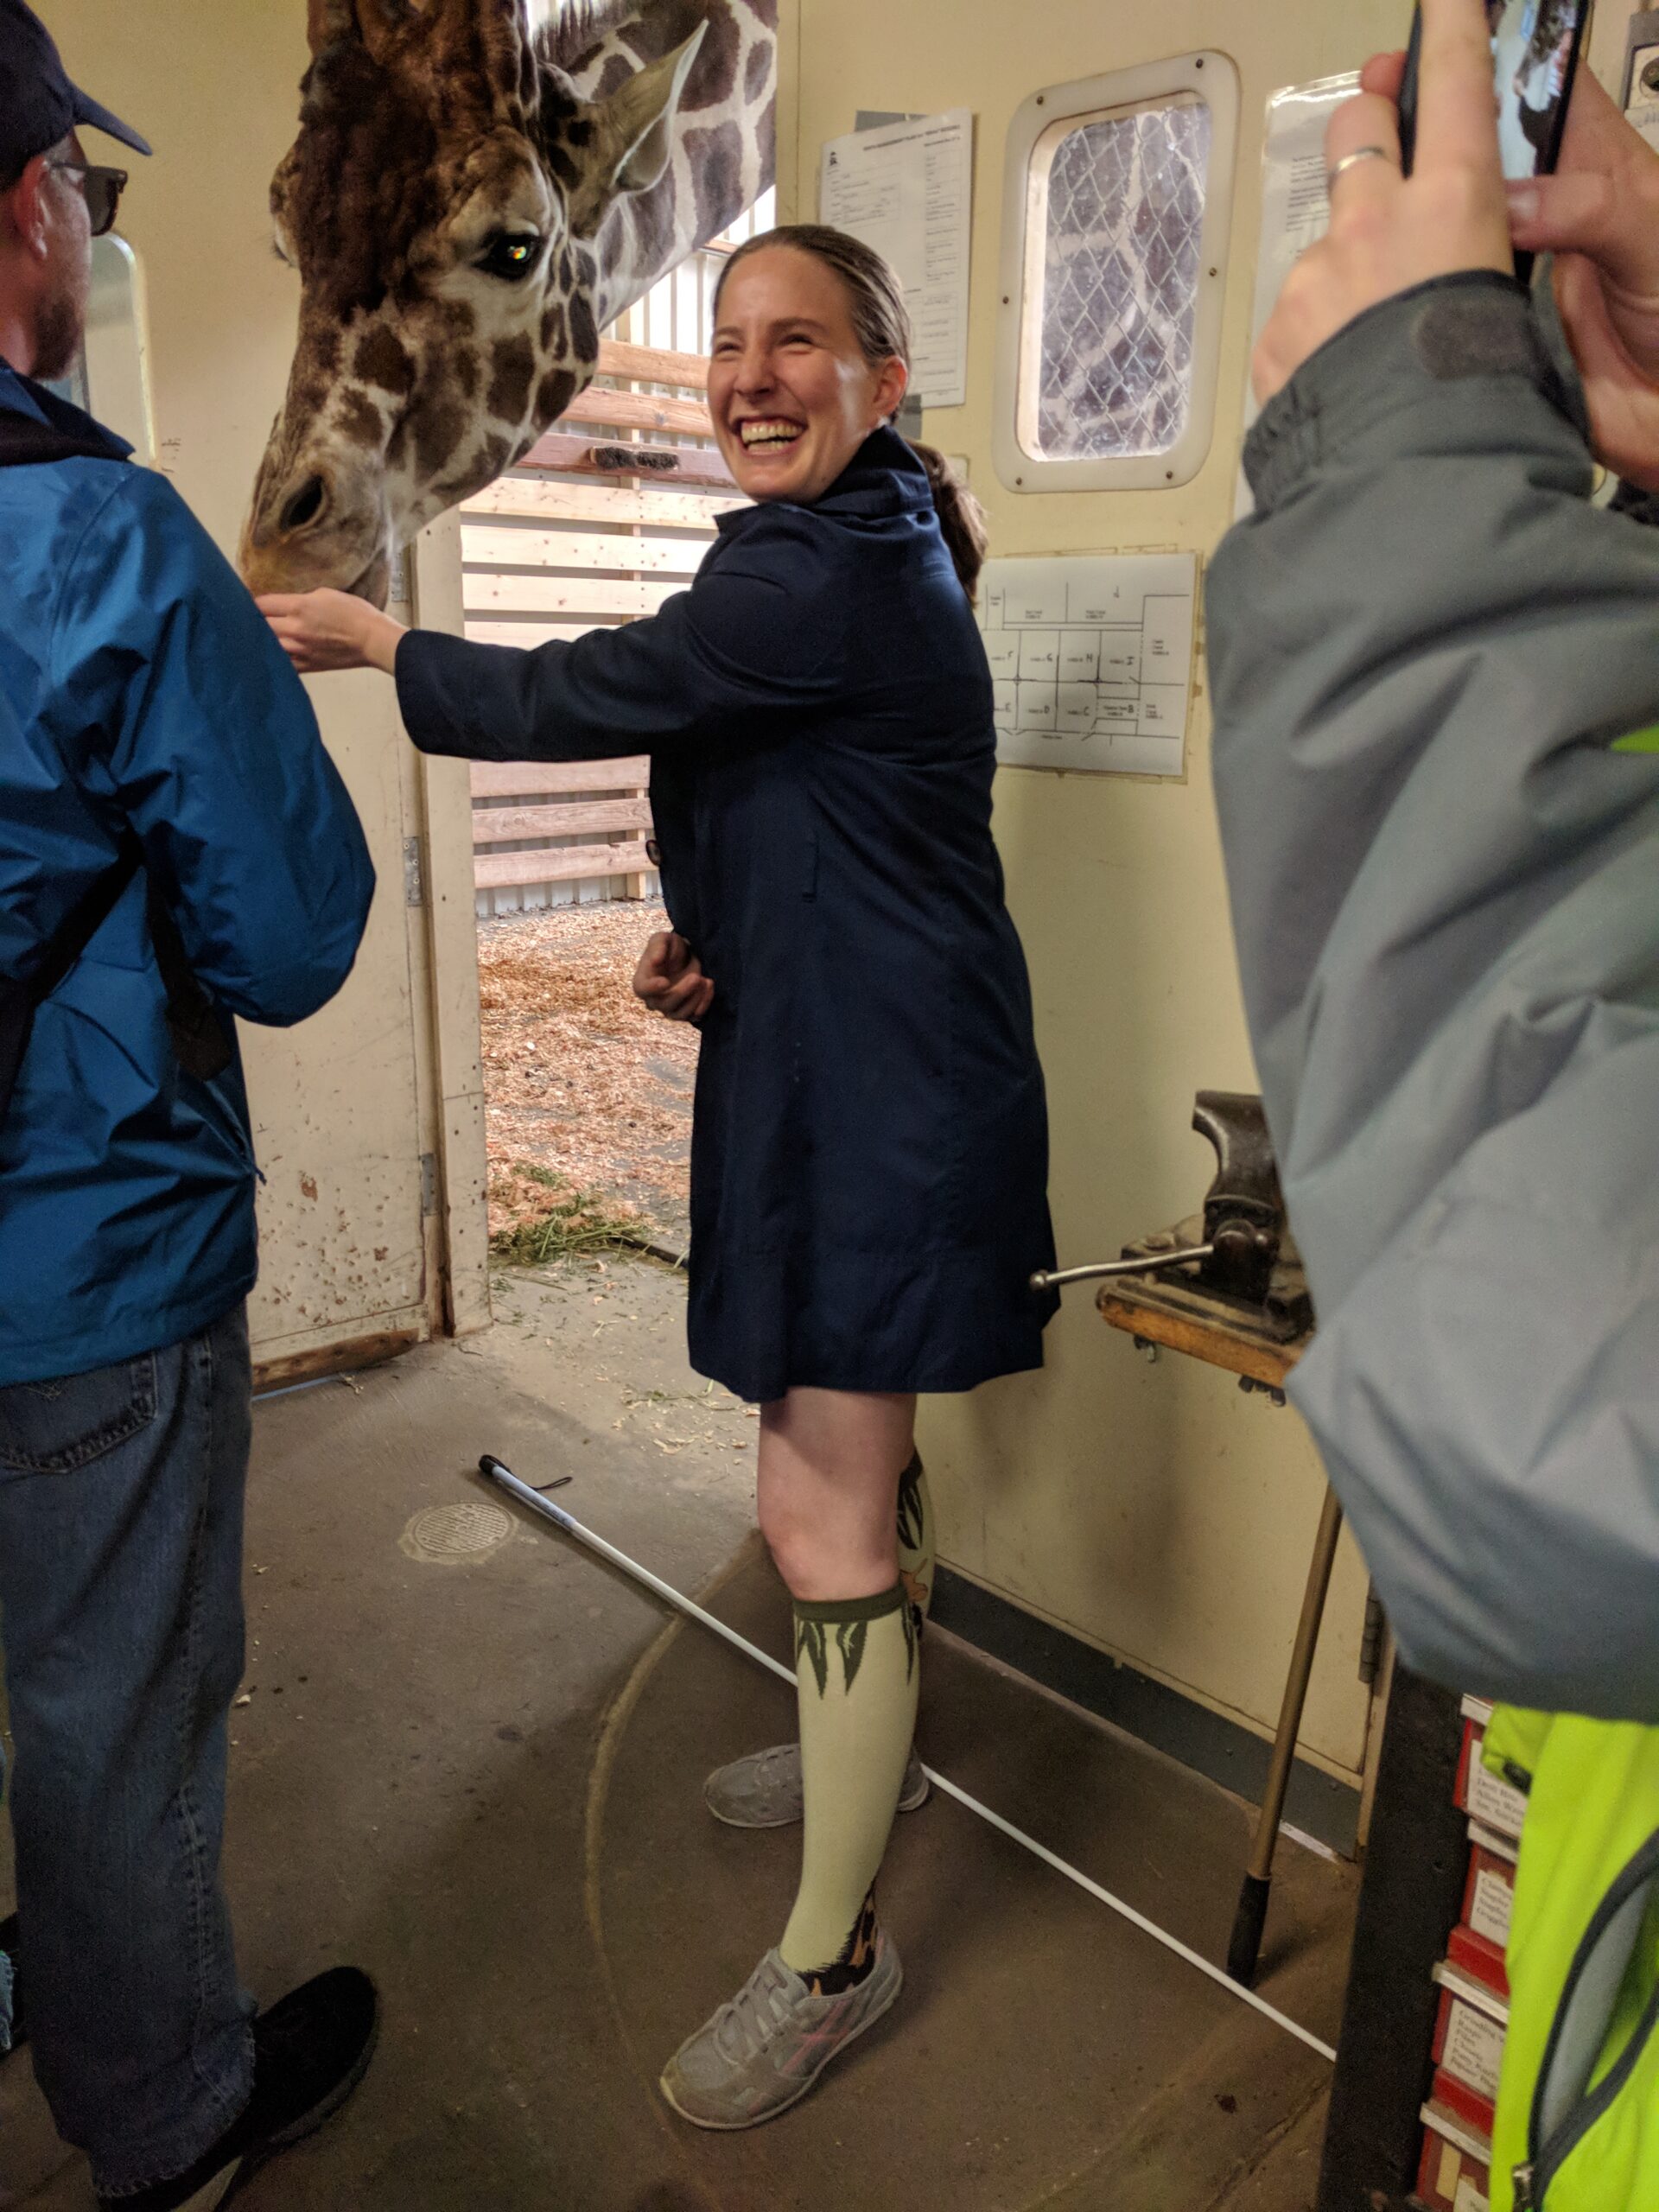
138	683
870	1147
1436	676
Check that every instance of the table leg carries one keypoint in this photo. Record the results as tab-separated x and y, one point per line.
1245	1944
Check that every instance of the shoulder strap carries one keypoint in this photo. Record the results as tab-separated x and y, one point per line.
196	1026
23	439
19	1000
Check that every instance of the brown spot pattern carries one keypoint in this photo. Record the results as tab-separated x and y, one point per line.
760	67
553	395
714	74
439	429
554	335
584	333
382	362
360	421
512	368
717	164
651	214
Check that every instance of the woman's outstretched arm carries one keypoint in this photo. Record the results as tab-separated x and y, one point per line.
760	636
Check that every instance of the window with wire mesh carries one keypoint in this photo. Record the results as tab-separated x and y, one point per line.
1124	210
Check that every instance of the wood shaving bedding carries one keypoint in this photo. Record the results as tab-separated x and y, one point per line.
578	1077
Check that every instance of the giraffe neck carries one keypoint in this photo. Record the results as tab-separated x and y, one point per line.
724	136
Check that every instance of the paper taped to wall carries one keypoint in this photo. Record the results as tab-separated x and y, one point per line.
1295	202
907	190
1091	660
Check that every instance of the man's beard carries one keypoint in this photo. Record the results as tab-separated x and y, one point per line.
58	330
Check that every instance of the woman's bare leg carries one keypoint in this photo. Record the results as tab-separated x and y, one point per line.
831	1463
828	1489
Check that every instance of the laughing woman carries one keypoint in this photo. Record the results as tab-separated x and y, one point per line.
870	1147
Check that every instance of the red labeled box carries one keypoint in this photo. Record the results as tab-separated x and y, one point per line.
1481	1961
1469	2031
1456	2171
1495	1804
1488	1898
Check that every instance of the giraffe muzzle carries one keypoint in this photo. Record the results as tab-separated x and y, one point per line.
313	534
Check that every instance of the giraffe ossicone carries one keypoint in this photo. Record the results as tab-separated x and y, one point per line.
478	187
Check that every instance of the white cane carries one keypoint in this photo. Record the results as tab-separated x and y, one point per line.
496	1472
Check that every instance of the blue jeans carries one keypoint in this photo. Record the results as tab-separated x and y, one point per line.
121	1614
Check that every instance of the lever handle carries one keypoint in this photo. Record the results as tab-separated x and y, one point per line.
1059	1278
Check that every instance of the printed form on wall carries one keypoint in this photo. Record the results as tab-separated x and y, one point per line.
1091	660
907	190
1295	202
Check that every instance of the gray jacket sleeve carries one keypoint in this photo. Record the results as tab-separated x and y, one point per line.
1430	657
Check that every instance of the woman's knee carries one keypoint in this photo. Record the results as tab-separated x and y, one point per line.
788	1539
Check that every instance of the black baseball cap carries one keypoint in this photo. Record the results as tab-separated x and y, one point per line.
38	103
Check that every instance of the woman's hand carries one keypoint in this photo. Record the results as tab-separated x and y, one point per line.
1599	215
670	980
1390	231
323	630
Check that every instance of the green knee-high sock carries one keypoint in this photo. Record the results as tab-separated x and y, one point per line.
857	1670
915	1538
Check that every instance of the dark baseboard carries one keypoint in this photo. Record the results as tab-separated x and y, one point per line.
1206	1741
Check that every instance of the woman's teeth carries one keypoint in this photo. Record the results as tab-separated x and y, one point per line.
769	437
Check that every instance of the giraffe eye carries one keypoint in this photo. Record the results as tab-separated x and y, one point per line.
511	255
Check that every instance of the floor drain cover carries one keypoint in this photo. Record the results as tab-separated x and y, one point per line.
446	1533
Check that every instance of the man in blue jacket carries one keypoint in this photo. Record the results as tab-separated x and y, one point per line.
156	749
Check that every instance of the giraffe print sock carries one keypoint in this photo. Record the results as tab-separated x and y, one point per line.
853	1962
857	1671
916	1559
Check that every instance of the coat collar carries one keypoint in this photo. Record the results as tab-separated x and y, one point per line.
20	394
883	480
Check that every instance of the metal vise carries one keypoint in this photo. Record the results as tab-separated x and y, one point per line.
1239	1254
1244	1213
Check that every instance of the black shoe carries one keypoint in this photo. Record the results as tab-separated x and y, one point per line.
8	1945
310	2052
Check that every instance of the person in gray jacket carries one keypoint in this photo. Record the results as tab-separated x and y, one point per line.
1436	676
1437	766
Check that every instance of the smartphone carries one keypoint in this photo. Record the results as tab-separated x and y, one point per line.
1535	47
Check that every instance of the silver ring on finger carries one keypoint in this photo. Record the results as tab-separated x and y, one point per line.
1359	154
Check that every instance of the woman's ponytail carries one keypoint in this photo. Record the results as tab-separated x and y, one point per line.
961	519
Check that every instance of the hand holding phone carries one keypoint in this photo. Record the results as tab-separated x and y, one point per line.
1599	216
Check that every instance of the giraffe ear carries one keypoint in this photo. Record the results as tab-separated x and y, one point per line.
374	22
630	137
328	22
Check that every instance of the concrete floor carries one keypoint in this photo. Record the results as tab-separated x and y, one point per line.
477	1774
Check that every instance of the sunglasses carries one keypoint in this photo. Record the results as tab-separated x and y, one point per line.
102	189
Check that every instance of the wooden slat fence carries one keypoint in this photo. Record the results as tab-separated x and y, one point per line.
606	516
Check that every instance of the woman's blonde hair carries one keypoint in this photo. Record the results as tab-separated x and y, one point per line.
881	324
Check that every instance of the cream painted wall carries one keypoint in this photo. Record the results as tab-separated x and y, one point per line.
1151	1510
345	1106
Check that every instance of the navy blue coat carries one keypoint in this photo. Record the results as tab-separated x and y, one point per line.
869	1148
139	686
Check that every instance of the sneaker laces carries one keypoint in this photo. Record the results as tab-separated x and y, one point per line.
744	2026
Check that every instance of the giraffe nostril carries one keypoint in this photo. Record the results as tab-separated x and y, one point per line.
307	504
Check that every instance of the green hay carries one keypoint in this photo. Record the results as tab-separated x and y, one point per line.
572	1224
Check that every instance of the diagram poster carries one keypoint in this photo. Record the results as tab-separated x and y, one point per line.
1091	660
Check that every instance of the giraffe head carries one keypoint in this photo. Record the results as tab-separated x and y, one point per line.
448	203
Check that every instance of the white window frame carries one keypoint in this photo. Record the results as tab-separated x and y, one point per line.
1036	131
